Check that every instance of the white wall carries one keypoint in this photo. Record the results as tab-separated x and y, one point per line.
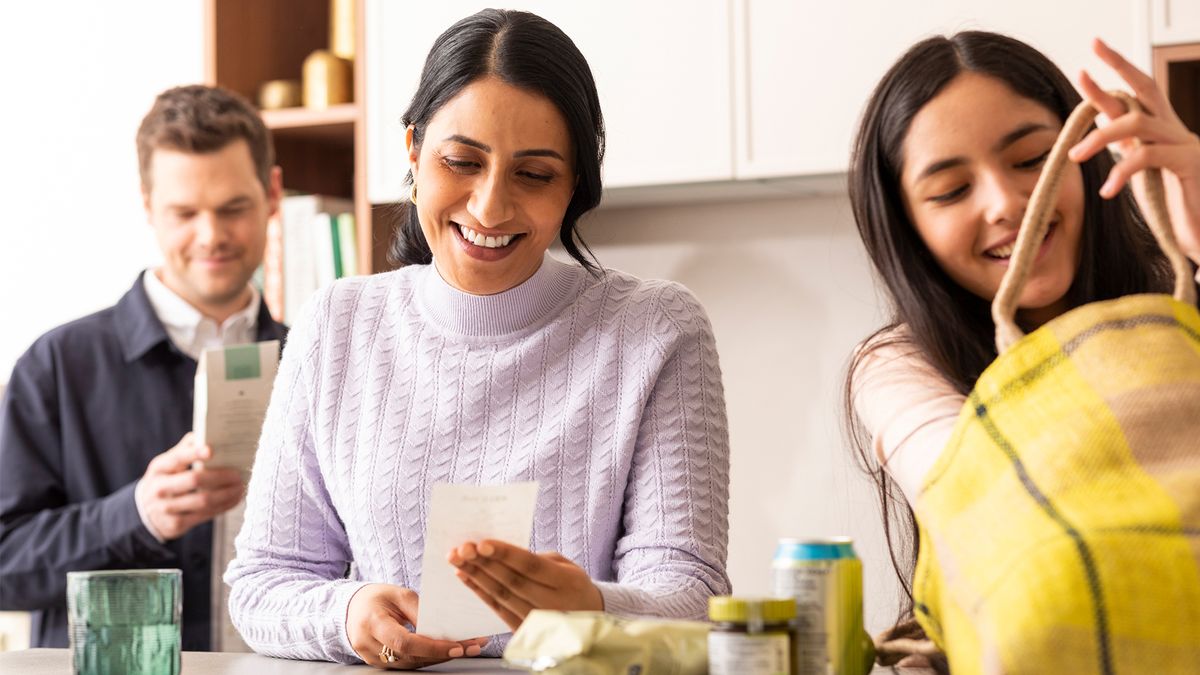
78	77
783	281
787	287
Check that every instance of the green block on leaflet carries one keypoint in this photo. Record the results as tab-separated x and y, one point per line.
241	363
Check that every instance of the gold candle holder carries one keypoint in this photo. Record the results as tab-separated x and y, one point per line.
341	28
327	80
276	94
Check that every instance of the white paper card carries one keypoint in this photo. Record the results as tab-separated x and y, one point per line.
458	514
233	388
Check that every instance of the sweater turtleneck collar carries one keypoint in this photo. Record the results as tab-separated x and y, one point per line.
538	298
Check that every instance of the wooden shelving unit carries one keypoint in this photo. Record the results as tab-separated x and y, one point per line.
248	42
1177	69
336	121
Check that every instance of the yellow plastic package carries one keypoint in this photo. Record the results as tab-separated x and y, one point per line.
595	643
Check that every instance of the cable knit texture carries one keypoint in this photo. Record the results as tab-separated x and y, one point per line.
605	389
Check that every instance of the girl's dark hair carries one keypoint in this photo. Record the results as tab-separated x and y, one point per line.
528	52
949	326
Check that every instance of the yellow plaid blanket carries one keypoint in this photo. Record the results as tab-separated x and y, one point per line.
1060	527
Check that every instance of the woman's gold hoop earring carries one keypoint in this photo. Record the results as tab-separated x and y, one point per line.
412	195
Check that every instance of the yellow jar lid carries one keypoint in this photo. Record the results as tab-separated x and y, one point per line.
726	608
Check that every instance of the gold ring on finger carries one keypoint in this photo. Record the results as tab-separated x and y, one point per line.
387	654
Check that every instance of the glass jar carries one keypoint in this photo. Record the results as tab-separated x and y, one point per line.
750	636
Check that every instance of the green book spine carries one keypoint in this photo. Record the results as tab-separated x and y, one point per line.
337	247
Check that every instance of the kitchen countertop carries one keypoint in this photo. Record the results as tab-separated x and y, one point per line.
58	661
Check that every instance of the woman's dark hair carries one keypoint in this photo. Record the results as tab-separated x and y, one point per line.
949	326
528	52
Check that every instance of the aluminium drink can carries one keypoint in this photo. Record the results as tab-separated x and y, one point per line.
825	577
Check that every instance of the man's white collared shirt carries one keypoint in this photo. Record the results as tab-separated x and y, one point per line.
191	331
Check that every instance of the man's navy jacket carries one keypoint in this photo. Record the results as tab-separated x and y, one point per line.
88	406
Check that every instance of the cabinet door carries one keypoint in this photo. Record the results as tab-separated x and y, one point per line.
662	69
804	70
1174	21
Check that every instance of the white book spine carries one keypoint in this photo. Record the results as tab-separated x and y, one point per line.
323	249
306	248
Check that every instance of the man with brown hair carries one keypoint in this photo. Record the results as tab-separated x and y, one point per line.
96	462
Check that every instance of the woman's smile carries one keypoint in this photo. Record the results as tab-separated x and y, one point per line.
482	246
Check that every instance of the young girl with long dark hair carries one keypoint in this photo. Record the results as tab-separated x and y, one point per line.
951	145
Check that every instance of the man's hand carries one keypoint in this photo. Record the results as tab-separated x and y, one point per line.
175	498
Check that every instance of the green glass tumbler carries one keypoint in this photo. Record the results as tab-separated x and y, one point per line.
125	621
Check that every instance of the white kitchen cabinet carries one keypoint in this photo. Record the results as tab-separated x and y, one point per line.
804	70
1174	21
735	91
662	69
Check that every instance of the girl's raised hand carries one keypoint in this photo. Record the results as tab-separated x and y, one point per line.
1165	144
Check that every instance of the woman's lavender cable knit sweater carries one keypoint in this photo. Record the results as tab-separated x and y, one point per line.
605	389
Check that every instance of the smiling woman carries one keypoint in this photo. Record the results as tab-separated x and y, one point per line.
484	360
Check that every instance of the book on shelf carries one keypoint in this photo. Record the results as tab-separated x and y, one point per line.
336	242
272	268
311	255
324	253
348	236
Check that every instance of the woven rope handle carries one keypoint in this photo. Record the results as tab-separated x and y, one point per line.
1041	208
